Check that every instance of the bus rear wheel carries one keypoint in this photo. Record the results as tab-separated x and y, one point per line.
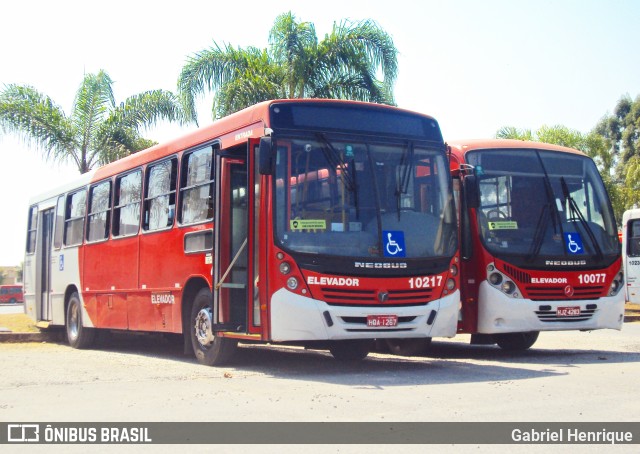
351	350
78	335
210	350
516	342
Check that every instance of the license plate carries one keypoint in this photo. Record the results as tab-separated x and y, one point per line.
382	321
568	311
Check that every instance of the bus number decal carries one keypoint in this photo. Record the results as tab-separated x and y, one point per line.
425	282
593	278
634	262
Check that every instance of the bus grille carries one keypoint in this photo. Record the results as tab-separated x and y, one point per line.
518	275
551	316
557	293
350	297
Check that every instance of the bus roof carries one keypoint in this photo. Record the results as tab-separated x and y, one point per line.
464	146
253	118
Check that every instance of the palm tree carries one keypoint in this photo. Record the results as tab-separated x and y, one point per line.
97	132
345	64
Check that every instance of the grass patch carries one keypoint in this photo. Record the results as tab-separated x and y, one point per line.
18	323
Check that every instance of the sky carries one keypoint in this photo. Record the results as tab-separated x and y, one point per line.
475	65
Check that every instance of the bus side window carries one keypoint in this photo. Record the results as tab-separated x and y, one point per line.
196	186
126	211
160	195
99	210
634	238
74	218
32	229
59	224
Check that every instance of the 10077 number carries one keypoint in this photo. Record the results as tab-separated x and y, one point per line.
592	278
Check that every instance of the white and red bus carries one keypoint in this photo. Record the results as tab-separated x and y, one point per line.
315	222
631	254
539	247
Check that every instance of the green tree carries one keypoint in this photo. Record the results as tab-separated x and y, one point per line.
592	144
619	134
97	132
345	64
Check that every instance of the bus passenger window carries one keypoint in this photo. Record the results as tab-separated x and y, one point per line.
634	239
196	187
126	212
160	195
74	218
59	224
99	209
32	229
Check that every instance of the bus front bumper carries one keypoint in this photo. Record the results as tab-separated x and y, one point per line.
298	318
498	313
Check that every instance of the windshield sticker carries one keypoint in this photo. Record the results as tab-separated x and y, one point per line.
503	225
573	242
308	224
393	243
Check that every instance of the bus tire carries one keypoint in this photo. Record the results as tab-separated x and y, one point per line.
516	342
209	349
78	335
408	347
351	350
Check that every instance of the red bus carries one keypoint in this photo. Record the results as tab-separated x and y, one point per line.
539	245
11	294
314	222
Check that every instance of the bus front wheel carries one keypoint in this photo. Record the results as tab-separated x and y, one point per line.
78	335
210	350
516	342
351	350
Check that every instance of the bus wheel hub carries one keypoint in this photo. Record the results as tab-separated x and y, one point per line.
204	332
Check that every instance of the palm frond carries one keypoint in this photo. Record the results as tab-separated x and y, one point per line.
147	108
37	120
212	68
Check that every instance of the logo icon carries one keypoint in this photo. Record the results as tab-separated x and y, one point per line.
23	433
383	296
393	243
573	243
568	291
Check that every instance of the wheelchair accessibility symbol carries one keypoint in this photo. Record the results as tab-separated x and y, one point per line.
393	243
574	243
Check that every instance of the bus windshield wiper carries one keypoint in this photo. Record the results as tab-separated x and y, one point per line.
538	237
404	169
335	160
576	213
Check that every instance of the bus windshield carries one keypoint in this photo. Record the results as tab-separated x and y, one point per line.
348	196
543	204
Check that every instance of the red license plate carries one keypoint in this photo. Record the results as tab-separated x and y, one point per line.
568	311
382	321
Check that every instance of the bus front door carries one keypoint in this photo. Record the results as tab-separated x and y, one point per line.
231	245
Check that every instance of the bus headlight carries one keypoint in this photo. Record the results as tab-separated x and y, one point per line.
451	284
508	287
616	285
285	268
292	283
453	270
495	278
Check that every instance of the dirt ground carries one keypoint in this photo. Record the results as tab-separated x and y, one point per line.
21	323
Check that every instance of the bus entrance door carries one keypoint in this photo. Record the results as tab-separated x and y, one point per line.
231	247
44	265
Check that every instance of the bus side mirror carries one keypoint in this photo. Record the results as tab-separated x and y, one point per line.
265	154
471	193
